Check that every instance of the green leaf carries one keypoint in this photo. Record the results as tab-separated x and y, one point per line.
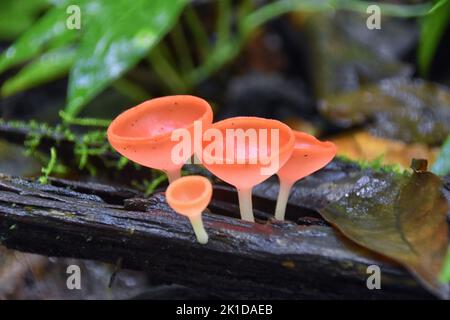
442	164
50	66
432	28
17	16
437	5
445	274
50	28
401	217
120	35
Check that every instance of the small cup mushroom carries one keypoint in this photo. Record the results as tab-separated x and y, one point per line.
244	171
189	196
143	133
309	155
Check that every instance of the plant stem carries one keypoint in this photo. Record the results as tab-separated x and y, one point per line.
155	183
245	204
50	166
199	229
181	48
88	122
198	31
223	28
168	75
283	196
131	90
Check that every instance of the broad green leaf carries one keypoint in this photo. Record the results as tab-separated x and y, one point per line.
17	16
438	5
432	27
402	217
442	164
50	28
50	66
120	35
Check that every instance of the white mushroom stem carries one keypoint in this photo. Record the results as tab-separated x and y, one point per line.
199	229
173	175
245	204
283	196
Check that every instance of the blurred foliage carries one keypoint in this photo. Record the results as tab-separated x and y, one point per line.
113	37
116	35
173	37
53	64
433	26
445	274
442	165
18	16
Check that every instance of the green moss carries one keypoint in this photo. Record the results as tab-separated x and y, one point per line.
47	170
376	164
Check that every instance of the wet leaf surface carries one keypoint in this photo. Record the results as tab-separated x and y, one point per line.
400	216
127	31
407	110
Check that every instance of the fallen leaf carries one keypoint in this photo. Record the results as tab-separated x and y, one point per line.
402	217
408	110
362	145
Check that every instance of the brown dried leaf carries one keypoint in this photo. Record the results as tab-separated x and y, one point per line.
400	216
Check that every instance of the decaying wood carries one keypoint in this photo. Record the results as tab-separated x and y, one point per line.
267	259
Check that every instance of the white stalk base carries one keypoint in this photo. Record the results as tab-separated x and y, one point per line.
283	196
245	204
199	230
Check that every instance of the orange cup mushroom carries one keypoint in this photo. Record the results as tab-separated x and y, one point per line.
189	196
241	160
309	155
143	133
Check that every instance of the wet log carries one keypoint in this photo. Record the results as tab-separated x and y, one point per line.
267	259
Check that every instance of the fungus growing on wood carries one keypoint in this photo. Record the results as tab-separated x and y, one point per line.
189	196
309	155
246	151
143	133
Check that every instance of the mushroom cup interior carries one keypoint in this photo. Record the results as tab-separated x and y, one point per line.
158	117
187	191
247	126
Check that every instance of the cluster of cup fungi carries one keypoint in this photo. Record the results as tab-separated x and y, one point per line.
143	134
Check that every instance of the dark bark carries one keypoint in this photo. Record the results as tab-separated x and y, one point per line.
241	260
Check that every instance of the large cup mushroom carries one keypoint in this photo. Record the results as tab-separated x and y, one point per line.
143	133
241	162
309	155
